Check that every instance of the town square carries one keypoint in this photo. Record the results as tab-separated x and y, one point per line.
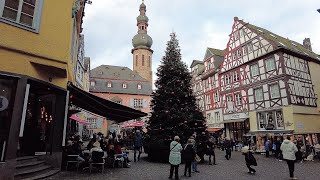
142	89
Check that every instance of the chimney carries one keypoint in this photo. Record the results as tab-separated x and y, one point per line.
307	43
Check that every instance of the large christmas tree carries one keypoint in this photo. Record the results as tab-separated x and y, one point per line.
174	110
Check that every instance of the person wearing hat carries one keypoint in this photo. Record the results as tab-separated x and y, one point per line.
249	158
175	157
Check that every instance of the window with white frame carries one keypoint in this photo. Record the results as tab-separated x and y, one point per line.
25	13
258	93
208	99
234	55
274	91
235	77
109	84
244	49
228	79
124	85
254	70
213	83
92	83
250	48
270	64
139	86
239	52
215	97
241	32
238	99
236	35
138	103
229	98
217	116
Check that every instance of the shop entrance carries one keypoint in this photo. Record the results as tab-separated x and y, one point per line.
39	121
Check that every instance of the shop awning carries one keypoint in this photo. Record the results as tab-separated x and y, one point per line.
278	131
79	120
233	120
213	130
110	110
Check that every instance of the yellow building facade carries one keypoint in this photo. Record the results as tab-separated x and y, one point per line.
37	52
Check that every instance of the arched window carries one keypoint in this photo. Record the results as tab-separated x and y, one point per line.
149	61
142	60
136	59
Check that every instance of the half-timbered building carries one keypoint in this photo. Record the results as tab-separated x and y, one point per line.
268	78
197	68
210	81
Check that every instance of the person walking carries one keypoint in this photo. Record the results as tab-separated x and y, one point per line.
278	151
194	163
227	146
188	155
210	147
249	158
289	149
138	143
267	148
175	157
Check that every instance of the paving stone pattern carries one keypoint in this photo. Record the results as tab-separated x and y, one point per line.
233	169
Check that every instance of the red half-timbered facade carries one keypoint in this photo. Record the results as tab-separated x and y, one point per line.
262	73
211	88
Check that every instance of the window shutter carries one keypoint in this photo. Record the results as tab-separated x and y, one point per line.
131	102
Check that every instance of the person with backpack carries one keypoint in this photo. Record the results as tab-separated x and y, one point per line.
188	155
249	158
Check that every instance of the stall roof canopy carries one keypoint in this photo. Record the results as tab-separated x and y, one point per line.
110	110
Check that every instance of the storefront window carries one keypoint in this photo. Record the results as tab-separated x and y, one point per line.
270	120
7	94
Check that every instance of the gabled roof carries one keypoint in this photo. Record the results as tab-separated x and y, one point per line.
282	42
195	62
115	72
217	52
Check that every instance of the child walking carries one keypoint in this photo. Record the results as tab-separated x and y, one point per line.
250	160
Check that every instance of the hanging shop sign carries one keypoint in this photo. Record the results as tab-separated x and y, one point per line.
4	103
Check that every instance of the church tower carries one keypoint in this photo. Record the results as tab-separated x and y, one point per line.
142	42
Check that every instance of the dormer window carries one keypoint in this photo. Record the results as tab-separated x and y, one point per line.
124	85
100	72
139	86
109	84
92	83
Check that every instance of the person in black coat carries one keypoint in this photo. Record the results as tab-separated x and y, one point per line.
227	146
188	155
249	158
210	152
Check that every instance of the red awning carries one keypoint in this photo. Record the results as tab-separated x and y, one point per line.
133	124
79	120
212	130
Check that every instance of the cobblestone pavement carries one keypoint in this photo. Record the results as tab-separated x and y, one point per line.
268	169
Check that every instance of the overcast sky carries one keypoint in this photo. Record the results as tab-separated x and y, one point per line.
109	25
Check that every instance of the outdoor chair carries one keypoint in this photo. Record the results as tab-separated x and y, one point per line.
97	158
73	159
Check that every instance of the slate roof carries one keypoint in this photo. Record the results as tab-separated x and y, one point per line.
285	43
217	52
195	62
118	75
